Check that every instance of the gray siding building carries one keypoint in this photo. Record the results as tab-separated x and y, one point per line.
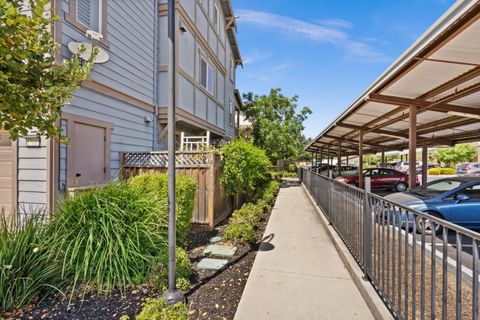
123	105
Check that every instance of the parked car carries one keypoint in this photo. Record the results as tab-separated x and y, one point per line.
404	166
454	199
419	168
469	168
380	179
320	167
343	170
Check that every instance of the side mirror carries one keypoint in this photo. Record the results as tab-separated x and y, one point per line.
461	198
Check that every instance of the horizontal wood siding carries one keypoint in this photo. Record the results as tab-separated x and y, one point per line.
130	131
200	40
32	178
131	47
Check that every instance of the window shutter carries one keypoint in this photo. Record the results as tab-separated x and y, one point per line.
84	11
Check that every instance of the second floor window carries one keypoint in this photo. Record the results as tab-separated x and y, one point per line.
207	76
89	13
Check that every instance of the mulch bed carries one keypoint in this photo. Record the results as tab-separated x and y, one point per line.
213	295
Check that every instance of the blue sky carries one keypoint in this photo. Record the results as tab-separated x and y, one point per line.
326	52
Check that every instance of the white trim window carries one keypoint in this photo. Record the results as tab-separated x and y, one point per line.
207	76
89	13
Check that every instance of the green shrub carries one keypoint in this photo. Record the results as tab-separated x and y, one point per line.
28	269
448	171
157	309
109	236
245	167
290	175
183	268
292	168
434	171
249	213
278	175
268	192
156	185
239	232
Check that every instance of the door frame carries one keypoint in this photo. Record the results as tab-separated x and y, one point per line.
71	121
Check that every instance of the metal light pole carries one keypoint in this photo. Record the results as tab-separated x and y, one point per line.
173	295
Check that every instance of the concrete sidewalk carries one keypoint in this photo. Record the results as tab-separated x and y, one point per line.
299	274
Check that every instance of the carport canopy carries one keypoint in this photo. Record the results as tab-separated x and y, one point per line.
430	96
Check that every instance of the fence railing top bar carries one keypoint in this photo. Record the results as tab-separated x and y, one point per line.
443	223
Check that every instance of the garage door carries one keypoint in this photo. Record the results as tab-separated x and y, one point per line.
6	173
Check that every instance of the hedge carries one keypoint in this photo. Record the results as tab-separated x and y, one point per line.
241	226
156	185
439	171
245	167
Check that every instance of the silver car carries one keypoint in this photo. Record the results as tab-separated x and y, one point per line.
469	168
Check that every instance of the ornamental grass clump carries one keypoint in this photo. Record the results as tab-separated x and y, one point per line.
108	237
28	268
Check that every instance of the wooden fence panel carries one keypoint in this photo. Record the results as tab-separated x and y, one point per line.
212	203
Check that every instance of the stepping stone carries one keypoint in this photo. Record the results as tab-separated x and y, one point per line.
221	251
215	239
212	264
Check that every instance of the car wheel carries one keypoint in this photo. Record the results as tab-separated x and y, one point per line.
401	186
427	224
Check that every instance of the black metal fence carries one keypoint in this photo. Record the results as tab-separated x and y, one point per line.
421	266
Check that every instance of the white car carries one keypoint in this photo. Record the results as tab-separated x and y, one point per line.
404	165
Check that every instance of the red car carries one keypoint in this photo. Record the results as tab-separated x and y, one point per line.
380	179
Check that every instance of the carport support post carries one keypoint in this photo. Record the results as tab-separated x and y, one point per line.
328	160
424	162
383	157
339	157
412	147
360	158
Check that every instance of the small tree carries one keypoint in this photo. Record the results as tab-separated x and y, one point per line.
458	153
276	124
33	89
245	167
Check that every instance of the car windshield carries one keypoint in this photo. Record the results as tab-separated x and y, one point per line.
436	188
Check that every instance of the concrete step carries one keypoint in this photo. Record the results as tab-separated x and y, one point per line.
211	264
215	239
220	251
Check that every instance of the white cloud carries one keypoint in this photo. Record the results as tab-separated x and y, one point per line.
321	33
255	55
337	23
271	74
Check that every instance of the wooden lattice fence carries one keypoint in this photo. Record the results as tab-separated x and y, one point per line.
212	203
